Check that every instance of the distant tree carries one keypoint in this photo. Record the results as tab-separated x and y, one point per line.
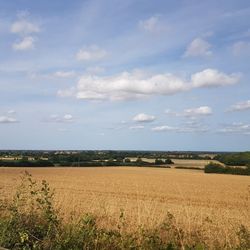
139	160
158	161
169	161
127	160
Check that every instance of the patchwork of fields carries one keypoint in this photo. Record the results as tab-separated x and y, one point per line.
215	203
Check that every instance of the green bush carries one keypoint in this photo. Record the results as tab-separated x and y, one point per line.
220	169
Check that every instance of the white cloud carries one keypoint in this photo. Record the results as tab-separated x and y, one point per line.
24	27
127	86
240	106
191	112
163	128
136	85
188	127
152	24
241	48
200	111
7	119
198	47
11	112
91	53
170	112
143	118
213	78
26	44
236	127
192	126
60	119
136	127
64	74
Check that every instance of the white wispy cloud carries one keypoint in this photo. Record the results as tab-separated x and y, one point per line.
198	47
241	48
152	24
191	112
236	127
240	106
91	53
200	111
193	126
136	127
26	43
11	112
8	119
60	119
136	85
142	117
188	127
64	74
163	128
24	27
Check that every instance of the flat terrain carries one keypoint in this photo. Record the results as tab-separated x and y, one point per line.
144	194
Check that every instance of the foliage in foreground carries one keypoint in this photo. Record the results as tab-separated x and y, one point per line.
31	222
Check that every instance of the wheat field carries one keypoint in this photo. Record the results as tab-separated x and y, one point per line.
212	205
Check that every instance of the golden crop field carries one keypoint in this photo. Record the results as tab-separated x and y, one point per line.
209	204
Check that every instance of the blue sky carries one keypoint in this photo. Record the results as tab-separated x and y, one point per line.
113	74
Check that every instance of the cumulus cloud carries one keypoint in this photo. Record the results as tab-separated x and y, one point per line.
143	118
213	78
236	128
241	48
64	74
26	43
7	119
91	53
198	47
136	85
60	119
240	106
24	27
200	111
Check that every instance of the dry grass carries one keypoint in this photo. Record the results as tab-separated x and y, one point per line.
213	205
192	163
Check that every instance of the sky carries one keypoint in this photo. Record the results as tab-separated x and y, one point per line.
125	75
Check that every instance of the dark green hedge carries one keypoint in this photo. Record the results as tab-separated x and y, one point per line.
218	168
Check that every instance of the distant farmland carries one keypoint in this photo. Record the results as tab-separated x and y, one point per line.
209	205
